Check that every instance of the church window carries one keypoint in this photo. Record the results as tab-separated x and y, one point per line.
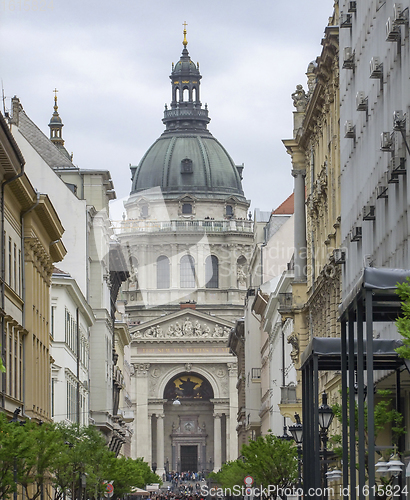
211	272
186	208
163	274
229	210
194	94
144	211
187	271
185	94
186	166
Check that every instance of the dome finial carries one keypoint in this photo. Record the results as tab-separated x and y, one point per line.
185	42
55	100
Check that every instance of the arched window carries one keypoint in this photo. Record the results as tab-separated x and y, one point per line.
194	94
211	272
187	272
163	274
185	94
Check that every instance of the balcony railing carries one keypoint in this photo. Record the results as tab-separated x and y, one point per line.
256	373
285	302
208	226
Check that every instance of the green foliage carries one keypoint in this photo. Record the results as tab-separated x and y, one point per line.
384	415
35	456
2	367
403	322
230	474
127	473
269	460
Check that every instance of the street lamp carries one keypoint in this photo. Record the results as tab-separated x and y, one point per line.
297	433
285	436
325	419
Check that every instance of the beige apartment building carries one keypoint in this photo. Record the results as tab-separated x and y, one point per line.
32	235
314	149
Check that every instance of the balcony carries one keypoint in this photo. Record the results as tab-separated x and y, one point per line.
256	374
172	226
285	302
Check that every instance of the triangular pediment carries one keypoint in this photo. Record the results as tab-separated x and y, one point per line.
187	198
183	325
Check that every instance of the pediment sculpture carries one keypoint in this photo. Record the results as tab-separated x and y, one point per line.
186	329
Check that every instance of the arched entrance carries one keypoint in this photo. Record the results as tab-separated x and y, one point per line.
189	429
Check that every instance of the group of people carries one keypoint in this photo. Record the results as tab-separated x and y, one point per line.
183	485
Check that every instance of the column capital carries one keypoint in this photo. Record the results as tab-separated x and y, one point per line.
217	415
160	415
141	369
298	171
232	368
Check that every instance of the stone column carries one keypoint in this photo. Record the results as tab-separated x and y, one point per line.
217	442
160	444
174	266
231	422
140	446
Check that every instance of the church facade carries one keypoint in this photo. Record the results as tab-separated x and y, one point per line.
187	239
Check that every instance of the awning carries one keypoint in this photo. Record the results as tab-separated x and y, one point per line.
383	282
328	352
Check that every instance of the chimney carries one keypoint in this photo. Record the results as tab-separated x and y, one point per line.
16	107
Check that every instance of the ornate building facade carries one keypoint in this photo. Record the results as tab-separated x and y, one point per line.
316	289
188	240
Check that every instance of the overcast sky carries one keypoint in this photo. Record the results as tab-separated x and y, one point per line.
111	61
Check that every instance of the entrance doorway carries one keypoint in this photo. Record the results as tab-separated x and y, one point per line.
189	458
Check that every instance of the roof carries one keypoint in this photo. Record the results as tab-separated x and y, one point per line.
212	172
6	130
328	352
50	153
287	207
383	283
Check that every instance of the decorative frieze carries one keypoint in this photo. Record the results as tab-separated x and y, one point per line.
187	329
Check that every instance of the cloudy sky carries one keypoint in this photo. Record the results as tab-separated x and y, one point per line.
111	61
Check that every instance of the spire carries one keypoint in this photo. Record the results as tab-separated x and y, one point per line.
56	125
185	42
186	111
56	128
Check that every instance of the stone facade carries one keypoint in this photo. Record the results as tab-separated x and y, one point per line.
316	290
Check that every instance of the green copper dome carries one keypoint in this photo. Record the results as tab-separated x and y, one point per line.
187	159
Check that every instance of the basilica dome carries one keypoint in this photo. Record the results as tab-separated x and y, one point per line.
186	158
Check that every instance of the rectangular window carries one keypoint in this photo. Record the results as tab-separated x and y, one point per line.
15	267
53	309
10	368
16	366
19	283
10	267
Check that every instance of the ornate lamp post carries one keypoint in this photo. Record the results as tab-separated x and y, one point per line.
297	434
325	419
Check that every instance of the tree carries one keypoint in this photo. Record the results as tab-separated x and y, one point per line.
127	474
403	322
384	415
269	460
231	473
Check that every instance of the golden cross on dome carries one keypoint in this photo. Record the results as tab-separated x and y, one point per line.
55	94
185	42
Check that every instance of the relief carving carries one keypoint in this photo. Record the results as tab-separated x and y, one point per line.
187	330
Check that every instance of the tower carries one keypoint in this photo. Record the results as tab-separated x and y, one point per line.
56	128
188	243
